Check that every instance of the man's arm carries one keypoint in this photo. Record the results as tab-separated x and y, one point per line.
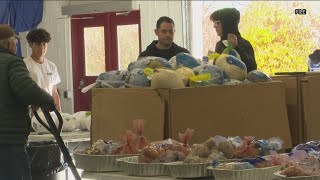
56	97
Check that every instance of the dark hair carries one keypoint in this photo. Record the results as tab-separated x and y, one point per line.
229	18
39	36
164	19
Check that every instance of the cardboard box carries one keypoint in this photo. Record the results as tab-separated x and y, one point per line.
294	106
302	104
311	102
113	111
235	110
242	110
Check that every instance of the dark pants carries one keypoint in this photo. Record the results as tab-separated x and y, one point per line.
14	163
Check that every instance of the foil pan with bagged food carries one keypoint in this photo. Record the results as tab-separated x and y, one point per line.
102	155
152	159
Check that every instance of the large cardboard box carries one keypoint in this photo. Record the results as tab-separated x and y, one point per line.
234	110
242	110
113	111
302	104
311	102
294	106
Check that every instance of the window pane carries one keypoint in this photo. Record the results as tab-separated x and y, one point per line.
94	51
128	45
282	39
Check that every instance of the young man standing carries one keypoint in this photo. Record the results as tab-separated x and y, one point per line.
164	47
42	71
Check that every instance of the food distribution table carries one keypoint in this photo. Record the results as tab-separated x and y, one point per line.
122	176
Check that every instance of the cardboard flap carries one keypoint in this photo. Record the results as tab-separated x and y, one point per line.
293	101
311	104
236	110
113	111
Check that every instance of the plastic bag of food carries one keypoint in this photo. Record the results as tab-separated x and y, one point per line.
38	127
111	79
150	62
204	149
309	146
208	75
216	156
258	162
84	117
235	141
148	154
142	142
224	146
247	148
232	67
194	159
165	78
101	147
186	60
161	151
137	78
127	147
307	167
185	137
256	76
185	73
70	123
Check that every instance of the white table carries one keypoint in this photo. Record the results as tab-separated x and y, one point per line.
122	176
76	136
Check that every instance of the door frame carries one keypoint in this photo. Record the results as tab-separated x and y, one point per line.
109	21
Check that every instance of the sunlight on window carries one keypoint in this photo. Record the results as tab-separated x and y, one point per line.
94	51
282	39
128	45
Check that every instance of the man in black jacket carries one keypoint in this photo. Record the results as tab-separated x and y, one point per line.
164	47
17	92
226	24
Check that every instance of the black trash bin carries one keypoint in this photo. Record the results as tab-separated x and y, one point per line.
45	161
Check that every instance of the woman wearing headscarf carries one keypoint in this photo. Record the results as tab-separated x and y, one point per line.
226	23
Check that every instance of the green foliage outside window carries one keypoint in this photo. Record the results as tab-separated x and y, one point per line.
281	39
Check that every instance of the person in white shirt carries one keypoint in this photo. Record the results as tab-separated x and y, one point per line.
42	71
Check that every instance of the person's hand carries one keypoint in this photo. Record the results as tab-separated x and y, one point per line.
233	40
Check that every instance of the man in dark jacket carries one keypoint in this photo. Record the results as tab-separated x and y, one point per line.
164	47
226	24
17	91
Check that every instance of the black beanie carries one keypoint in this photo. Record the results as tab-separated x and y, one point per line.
229	18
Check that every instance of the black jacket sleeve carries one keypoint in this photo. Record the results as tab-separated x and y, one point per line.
246	53
27	91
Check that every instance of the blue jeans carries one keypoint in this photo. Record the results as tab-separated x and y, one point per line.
14	163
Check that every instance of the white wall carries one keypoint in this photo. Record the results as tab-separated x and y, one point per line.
59	50
150	12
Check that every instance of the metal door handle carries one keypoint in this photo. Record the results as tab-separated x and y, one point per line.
81	84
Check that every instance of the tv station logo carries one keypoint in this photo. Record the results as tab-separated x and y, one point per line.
300	11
